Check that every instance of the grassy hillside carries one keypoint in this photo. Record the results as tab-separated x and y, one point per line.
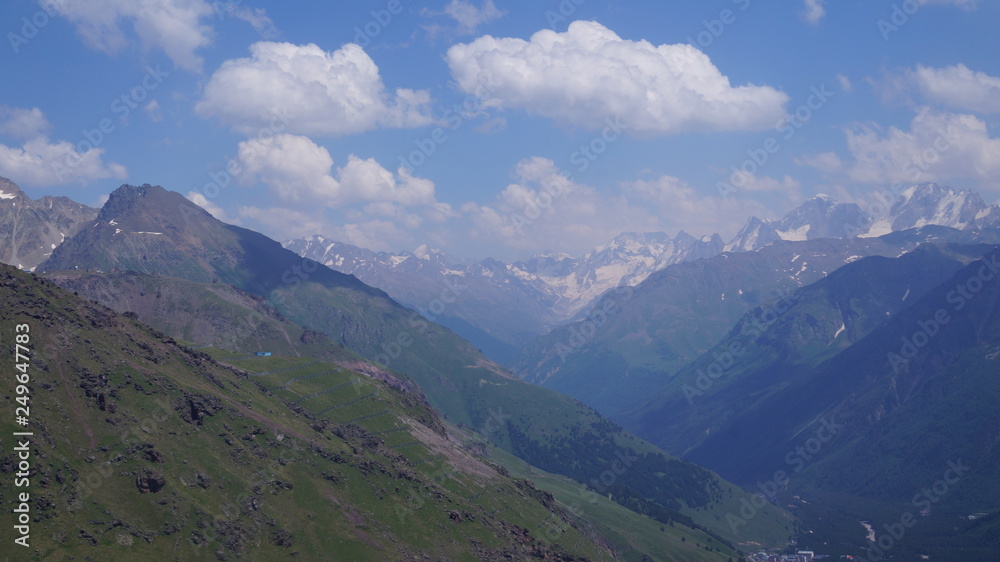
145	449
344	397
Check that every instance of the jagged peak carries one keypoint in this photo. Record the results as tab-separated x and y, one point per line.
9	189
128	197
425	252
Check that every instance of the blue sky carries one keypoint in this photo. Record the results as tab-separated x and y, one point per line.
499	128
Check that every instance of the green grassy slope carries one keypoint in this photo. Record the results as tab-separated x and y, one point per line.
144	449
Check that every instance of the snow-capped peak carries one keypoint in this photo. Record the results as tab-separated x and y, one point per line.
823	216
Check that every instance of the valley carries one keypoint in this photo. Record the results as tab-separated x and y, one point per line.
771	406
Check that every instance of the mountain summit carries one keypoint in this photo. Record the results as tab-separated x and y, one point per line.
823	217
930	203
819	217
30	230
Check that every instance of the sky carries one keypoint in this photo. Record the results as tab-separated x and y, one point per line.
499	128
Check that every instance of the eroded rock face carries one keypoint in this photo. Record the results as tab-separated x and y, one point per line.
150	481
194	408
30	229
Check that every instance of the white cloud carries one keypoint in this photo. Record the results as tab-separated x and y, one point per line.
152	110
283	224
216	211
42	163
845	83
373	233
470	17
814	11
680	204
787	184
526	216
173	26
323	93
960	87
299	170
589	74
256	17
828	162
21	123
938	147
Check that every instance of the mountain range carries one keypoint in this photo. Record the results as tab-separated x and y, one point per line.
30	230
875	385
831	364
156	255
142	448
502	307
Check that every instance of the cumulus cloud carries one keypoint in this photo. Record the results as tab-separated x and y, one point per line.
256	17
324	93
299	170
786	185
216	211
589	74
959	87
283	223
371	232
544	210
678	203
173	26
469	16
41	162
22	123
938	147
814	11
828	162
